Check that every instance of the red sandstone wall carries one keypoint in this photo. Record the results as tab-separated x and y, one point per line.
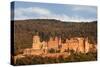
77	44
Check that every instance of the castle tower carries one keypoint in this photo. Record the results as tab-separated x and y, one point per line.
44	47
81	45
36	42
56	42
50	43
59	42
87	45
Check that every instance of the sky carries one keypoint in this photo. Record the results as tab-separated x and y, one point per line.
63	12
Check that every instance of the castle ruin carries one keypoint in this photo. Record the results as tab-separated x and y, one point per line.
77	44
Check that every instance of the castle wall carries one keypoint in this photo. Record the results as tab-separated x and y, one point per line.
30	51
73	44
53	43
44	47
64	47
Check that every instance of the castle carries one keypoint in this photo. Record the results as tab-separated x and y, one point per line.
77	44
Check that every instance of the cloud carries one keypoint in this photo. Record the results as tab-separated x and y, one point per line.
84	8
64	17
22	13
42	13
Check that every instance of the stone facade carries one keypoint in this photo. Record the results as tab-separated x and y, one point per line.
53	43
81	45
77	44
72	43
36	42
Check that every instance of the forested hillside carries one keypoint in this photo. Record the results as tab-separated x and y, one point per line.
25	29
